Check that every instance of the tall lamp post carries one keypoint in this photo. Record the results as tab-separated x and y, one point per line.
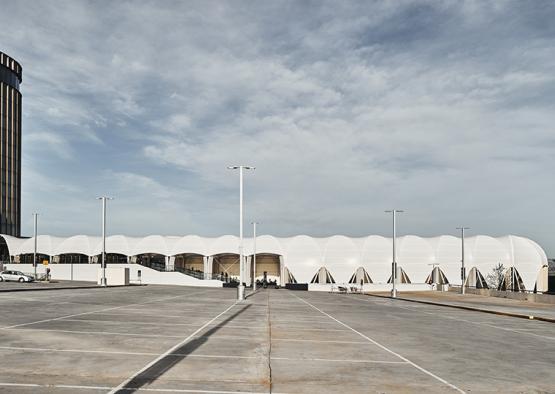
254	256
463	269
103	199
394	213
35	220
241	287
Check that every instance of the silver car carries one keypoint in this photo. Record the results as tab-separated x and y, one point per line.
16	276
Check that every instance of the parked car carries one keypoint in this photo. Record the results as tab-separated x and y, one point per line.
16	276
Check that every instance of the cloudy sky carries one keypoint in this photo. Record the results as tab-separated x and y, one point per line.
443	109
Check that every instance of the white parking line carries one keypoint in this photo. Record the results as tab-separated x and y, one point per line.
213	356
290	328
318	341
129	334
385	348
122	312
141	335
147	323
99	310
164	324
476	323
171	350
341	360
164	390
113	352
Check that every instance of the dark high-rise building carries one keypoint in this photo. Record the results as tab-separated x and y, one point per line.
10	146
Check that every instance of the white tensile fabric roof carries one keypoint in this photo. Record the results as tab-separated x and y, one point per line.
304	255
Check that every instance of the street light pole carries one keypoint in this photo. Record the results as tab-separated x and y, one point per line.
394	263
35	219
104	198
241	287
254	256
463	269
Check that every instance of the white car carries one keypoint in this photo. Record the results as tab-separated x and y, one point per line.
16	276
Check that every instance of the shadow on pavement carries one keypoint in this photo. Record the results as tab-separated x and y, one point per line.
154	372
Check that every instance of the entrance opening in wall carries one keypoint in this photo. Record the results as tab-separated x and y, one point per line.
512	281
151	260
71	258
28	258
227	266
288	277
437	276
114	258
360	276
403	277
267	268
322	276
189	261
474	278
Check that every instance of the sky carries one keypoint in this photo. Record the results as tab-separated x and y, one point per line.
444	109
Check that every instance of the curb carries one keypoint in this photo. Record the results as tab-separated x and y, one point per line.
57	288
470	308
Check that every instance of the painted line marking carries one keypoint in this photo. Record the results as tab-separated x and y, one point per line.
499	328
215	356
289	328
319	341
216	336
123	353
130	322
126	313
385	348
100	333
161	390
340	360
164	324
476	323
96	311
171	350
446	316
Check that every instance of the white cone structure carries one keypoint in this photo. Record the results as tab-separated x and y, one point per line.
303	255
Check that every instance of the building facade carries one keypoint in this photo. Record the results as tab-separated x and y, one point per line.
10	146
319	262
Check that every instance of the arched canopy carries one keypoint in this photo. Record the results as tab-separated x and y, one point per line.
78	244
304	255
341	257
415	254
266	244
222	245
190	244
154	244
377	257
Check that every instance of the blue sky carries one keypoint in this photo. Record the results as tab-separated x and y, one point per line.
443	109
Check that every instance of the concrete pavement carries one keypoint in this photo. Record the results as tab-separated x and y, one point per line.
485	303
182	339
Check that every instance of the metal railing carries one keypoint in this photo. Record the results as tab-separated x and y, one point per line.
190	272
187	271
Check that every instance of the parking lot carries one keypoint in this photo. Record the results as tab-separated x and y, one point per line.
55	284
182	339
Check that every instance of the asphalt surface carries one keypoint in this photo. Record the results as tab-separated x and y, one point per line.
10	286
497	304
182	339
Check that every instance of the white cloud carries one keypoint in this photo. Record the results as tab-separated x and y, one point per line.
345	109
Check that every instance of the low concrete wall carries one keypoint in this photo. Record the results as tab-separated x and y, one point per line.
89	272
542	298
114	276
373	287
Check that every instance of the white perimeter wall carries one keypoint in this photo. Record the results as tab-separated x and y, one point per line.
89	272
372	287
